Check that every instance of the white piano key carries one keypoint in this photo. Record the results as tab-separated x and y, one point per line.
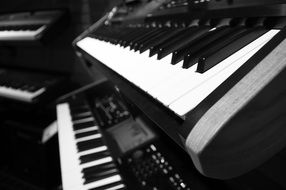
120	186
102	182
90	137
94	150
95	184
92	128
192	98
149	72
176	76
83	120
175	85
136	62
139	69
69	163
97	162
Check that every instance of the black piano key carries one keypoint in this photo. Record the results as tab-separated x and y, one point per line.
122	38
154	49
218	43
84	125
31	27
180	55
147	38
109	186
89	144
78	102
197	48
82	115
24	87
130	39
98	176
160	38
79	109
118	36
182	41
98	168
214	56
85	134
94	156
16	84
143	37
112	34
32	88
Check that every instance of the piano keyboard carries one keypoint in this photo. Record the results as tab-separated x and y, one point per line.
86	162
24	94
201	61
27	26
21	32
20	91
190	62
25	86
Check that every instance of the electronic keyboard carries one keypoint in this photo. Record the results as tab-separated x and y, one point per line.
27	86
30	26
84	141
103	147
209	73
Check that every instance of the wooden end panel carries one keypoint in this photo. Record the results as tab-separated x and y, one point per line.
247	125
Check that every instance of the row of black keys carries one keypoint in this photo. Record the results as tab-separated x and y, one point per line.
19	84
205	45
20	27
97	172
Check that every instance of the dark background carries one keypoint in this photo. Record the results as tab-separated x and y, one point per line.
58	55
24	162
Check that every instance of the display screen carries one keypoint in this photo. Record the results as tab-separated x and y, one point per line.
131	134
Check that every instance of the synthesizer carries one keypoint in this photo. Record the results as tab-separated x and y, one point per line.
209	73
28	86
107	143
103	147
30	26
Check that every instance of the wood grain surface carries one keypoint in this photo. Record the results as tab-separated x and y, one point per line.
247	125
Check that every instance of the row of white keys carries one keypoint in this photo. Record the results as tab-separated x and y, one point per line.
21	95
70	165
164	92
225	68
150	73
140	69
137	67
185	83
68	159
159	78
20	34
